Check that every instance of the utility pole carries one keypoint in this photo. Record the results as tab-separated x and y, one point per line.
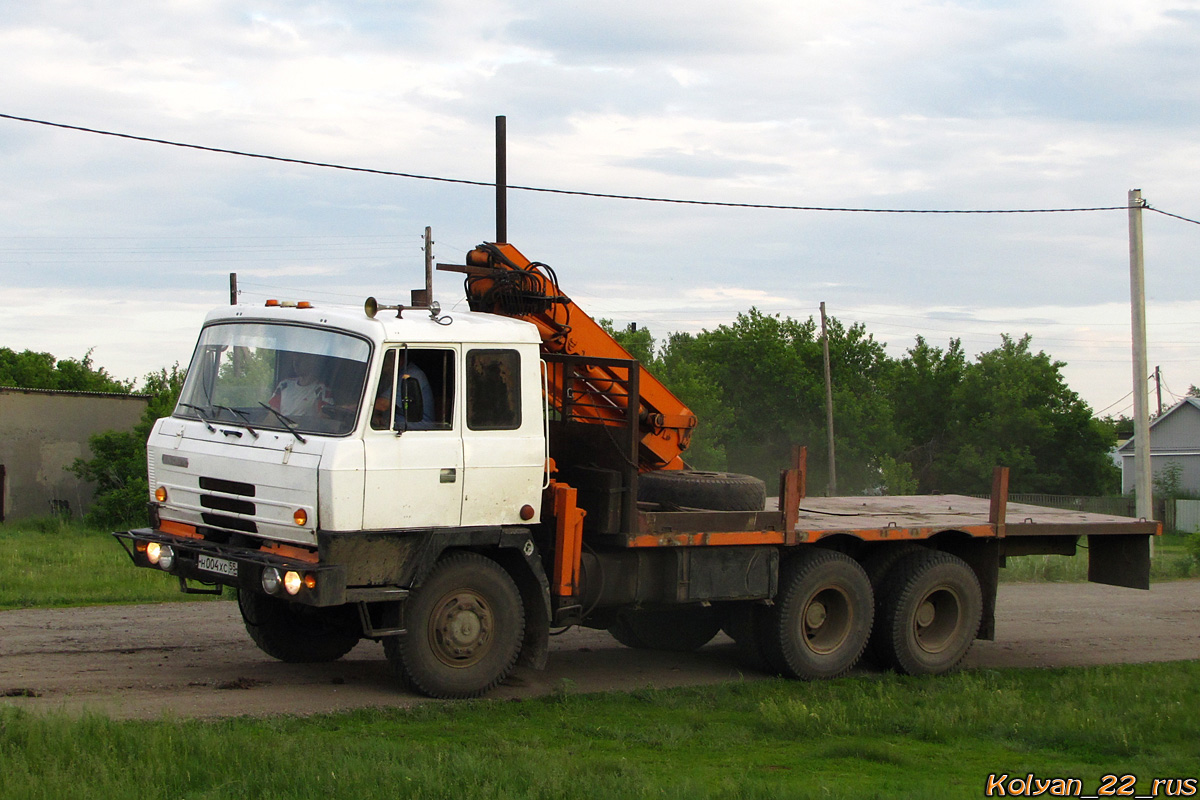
501	180
428	264
1141	417
832	490
233	288
1158	388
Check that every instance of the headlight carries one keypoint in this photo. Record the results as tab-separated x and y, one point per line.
153	552
271	580
292	582
166	557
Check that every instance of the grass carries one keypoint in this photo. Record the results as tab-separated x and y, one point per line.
48	563
861	737
1172	560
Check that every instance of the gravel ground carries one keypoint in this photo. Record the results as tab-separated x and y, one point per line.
195	659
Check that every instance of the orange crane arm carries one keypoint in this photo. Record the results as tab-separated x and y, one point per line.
500	280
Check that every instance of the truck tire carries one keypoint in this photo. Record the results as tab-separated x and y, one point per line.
931	609
878	565
465	626
714	491
743	622
299	634
822	616
679	630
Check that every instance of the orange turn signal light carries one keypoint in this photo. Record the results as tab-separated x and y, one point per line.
160	494
300	517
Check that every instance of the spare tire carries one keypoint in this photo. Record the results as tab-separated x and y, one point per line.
713	491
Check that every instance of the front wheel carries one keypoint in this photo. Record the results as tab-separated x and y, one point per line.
296	633
465	626
932	604
821	619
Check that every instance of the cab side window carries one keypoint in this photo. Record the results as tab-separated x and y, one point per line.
416	391
493	390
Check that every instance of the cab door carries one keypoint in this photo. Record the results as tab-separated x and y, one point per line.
414	459
504	442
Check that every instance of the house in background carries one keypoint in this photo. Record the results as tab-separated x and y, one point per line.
1174	439
42	432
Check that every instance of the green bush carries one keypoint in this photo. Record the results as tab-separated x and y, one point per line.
118	462
1192	545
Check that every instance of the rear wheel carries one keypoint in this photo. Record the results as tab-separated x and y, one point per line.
743	622
821	619
878	565
679	630
465	626
297	633
932	605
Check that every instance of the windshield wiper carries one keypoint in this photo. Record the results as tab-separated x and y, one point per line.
242	414
287	422
203	417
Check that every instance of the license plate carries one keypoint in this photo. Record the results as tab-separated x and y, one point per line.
221	566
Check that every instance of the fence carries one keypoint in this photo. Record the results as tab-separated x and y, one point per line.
1187	515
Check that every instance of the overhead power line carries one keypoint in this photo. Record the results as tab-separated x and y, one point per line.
1149	207
576	193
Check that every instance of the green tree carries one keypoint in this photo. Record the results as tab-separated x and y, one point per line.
676	367
1121	426
637	341
924	386
679	369
30	370
1012	407
118	462
769	372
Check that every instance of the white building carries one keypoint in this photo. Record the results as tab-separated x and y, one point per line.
1174	439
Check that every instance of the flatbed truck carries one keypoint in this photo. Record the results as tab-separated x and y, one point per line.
459	485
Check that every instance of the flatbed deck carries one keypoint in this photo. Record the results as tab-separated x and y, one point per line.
919	517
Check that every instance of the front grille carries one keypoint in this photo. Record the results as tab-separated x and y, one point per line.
230	523
230	504
227	487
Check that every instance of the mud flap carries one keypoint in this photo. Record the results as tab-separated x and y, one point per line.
1120	560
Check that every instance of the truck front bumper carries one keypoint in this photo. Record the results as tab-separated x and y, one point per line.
205	562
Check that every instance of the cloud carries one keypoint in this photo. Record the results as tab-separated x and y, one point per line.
909	104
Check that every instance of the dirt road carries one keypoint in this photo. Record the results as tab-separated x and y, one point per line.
195	660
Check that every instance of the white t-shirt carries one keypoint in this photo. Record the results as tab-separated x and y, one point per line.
295	399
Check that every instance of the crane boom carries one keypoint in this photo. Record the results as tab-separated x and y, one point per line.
500	280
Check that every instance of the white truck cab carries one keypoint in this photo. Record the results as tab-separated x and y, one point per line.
296	419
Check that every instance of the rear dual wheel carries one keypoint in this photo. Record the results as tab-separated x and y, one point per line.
930	606
821	618
678	630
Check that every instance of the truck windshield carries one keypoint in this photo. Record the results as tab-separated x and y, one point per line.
274	376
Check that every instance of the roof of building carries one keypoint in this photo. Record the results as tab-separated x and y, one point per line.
1187	402
70	392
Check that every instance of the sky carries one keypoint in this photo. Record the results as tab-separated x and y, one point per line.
120	247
